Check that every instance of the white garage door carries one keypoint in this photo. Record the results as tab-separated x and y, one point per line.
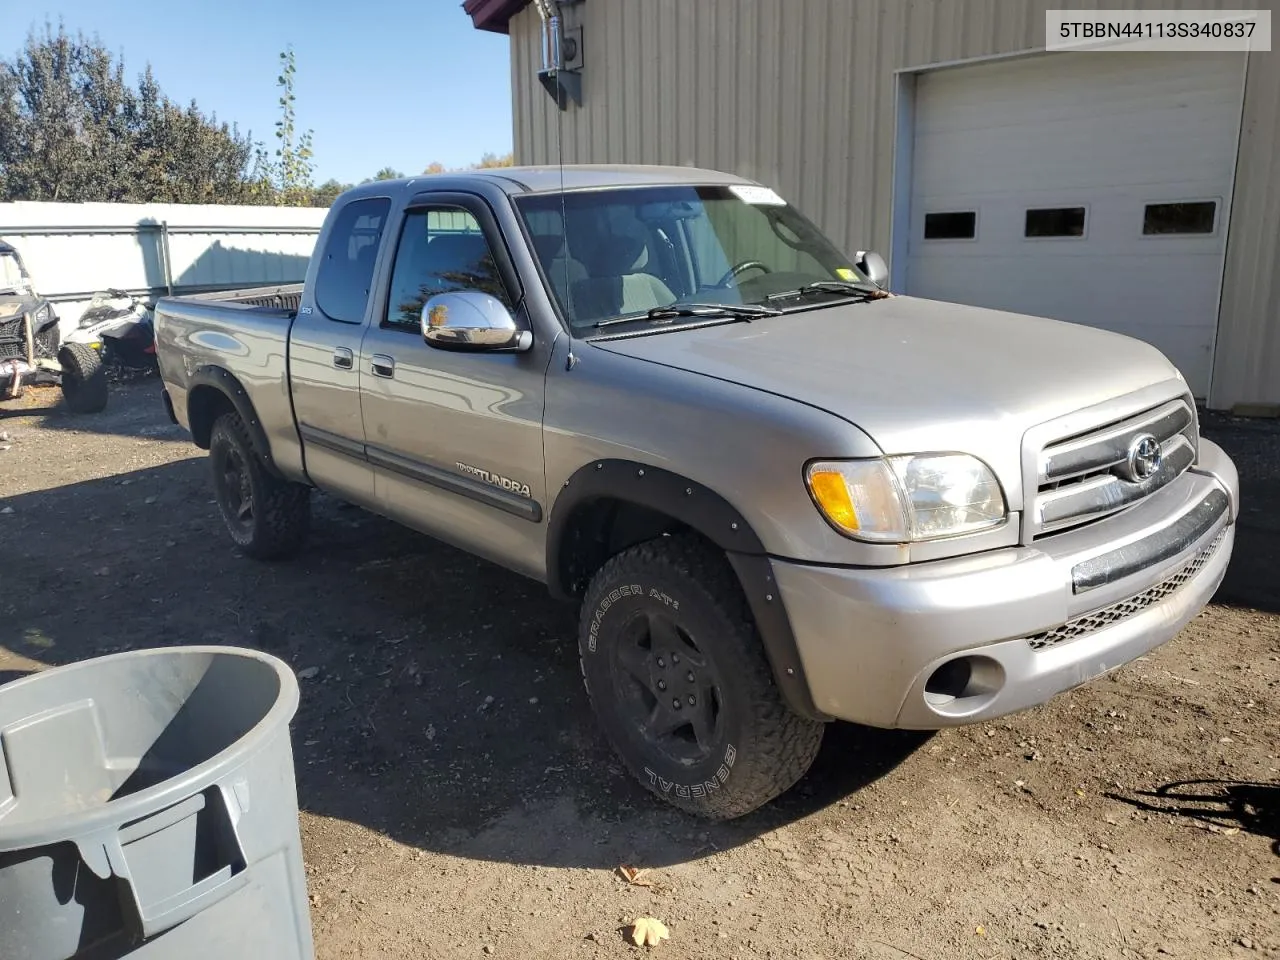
1092	188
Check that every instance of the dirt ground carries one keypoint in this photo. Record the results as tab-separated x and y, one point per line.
457	800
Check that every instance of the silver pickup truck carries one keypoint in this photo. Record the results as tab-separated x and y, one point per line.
780	494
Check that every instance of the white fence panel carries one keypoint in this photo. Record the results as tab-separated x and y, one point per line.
76	249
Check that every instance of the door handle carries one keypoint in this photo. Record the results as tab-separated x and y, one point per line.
382	365
343	358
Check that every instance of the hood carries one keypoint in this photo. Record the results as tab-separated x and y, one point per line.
921	375
12	304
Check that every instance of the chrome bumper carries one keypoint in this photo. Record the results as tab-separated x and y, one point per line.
957	641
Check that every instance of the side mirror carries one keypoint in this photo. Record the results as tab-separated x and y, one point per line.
470	320
874	267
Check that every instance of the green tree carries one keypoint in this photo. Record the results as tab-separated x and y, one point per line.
73	128
387	173
295	155
327	192
490	160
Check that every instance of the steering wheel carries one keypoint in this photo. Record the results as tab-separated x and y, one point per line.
742	267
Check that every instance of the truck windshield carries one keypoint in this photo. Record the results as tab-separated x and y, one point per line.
11	277
628	251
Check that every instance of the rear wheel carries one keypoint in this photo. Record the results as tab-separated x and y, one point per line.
268	518
680	684
84	381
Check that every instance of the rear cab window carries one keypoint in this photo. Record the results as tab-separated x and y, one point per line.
345	278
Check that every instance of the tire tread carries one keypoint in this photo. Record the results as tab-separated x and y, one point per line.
785	743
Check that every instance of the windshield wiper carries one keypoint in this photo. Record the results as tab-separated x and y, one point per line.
864	290
736	311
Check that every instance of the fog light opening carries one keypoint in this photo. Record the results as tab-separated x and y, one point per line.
964	685
949	681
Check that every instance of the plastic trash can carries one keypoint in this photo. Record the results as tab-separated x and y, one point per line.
148	809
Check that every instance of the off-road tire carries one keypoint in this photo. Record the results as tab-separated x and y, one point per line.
84	380
279	515
762	749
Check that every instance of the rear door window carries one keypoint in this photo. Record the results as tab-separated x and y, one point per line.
345	278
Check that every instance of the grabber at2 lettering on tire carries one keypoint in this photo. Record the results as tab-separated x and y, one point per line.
678	678
268	518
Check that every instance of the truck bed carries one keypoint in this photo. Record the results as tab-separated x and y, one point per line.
283	298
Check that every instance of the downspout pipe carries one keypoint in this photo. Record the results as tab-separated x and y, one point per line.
552	54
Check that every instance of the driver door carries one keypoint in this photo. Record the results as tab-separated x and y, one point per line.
455	437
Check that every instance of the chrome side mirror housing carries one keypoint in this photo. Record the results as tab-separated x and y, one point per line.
471	320
873	268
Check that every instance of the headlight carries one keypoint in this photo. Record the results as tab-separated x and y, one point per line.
901	499
42	314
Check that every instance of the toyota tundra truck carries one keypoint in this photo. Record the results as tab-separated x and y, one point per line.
779	494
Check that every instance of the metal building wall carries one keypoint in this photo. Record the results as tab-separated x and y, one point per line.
801	94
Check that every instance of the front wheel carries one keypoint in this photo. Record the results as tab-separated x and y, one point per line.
680	684
268	518
84	381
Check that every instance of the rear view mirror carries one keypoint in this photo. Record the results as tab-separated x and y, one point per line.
873	268
470	320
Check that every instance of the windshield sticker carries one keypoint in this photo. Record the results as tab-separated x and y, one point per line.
758	195
844	273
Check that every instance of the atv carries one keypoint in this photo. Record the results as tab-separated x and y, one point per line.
115	330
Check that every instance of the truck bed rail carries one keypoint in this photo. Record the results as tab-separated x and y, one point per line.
279	297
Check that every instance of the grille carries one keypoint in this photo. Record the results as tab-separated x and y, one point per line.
1124	609
1085	477
13	339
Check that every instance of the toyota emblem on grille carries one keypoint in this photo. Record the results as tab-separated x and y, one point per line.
1144	458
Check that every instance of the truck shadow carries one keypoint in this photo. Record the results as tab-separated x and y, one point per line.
441	699
1254	446
442	703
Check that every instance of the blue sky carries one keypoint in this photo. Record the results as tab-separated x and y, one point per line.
397	83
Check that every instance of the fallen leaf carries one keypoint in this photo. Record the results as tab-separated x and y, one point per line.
634	876
648	931
982	931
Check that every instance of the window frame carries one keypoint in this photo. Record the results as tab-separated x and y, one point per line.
374	273
924	221
1083	235
479	209
1217	219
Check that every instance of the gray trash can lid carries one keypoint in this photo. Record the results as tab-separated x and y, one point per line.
242	679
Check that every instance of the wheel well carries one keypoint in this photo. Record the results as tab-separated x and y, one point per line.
205	405
601	528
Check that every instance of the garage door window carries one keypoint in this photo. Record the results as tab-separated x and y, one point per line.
1054	222
1191	217
951	225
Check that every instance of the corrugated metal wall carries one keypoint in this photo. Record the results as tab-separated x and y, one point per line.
801	94
75	249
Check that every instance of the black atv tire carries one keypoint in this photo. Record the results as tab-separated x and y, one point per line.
751	747
267	517
84	381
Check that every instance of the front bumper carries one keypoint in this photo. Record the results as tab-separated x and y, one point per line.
1021	624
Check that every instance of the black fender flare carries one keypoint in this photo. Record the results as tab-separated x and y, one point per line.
225	382
702	509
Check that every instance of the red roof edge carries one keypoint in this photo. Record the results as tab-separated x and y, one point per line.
492	15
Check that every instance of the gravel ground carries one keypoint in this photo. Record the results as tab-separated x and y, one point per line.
457	800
